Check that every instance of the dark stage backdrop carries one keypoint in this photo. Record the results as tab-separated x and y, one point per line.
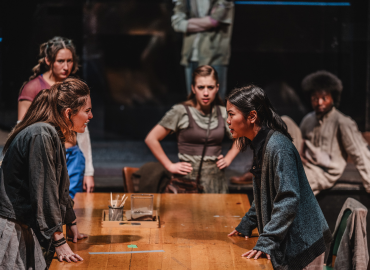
130	56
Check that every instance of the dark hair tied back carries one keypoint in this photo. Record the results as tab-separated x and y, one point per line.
253	98
203	71
50	50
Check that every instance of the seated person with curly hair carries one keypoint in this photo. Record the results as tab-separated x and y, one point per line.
327	137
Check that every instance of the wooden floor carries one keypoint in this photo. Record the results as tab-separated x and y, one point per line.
193	235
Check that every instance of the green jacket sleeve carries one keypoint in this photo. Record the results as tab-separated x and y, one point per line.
248	222
285	203
43	185
70	215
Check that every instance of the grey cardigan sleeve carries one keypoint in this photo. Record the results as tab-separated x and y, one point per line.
248	222
286	201
43	185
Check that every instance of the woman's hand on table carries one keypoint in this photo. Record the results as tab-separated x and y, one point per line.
222	162
256	254
64	252
182	168
236	233
74	234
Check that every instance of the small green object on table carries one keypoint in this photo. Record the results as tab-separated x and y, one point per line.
132	246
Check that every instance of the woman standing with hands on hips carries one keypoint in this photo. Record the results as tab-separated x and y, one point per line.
34	187
189	121
58	60
293	232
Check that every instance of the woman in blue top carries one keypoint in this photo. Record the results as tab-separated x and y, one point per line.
293	232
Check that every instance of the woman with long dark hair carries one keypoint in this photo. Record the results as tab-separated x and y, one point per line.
293	232
58	60
34	187
190	121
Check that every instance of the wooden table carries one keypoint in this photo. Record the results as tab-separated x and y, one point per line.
193	235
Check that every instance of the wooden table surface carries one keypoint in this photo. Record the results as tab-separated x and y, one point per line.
193	235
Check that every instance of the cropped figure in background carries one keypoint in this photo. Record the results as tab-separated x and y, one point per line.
293	232
34	185
58	61
326	137
189	121
207	28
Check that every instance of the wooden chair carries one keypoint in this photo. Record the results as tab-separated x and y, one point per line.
351	206
128	184
338	237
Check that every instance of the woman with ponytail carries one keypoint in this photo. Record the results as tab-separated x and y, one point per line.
58	60
34	185
202	117
293	232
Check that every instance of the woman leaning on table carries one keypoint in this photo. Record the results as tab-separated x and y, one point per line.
34	187
189	121
58	60
293	232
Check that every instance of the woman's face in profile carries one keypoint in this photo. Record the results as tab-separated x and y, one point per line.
205	90
82	118
238	125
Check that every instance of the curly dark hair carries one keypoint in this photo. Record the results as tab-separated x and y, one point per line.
323	80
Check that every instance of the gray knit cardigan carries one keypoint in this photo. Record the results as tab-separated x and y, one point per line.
291	225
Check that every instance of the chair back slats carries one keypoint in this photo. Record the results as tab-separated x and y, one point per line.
128	184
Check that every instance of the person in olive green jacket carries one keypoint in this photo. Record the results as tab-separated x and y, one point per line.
207	27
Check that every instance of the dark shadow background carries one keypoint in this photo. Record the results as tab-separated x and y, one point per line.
130	56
